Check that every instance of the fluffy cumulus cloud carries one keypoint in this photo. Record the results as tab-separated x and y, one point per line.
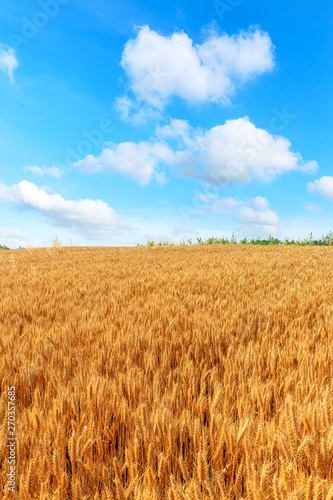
55	172
8	61
236	152
139	161
93	218
254	211
159	67
323	186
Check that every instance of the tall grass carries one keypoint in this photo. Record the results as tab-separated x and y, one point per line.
203	372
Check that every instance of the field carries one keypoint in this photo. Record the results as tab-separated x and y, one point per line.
184	372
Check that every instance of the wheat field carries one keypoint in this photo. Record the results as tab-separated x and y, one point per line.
168	372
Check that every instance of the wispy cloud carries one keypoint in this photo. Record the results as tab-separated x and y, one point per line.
136	113
212	203
249	215
312	207
55	172
253	211
8	61
8	232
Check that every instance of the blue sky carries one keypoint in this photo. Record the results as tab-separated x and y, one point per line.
127	121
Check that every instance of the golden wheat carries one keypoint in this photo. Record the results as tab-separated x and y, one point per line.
181	373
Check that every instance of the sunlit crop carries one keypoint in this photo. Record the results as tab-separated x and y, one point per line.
169	372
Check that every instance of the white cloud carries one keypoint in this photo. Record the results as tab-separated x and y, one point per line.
311	207
8	61
260	203
176	129
324	186
134	112
93	218
310	167
55	172
236	152
212	203
123	106
160	67
206	198
249	215
139	161
35	170
253	211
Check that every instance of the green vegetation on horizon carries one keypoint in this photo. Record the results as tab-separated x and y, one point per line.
324	241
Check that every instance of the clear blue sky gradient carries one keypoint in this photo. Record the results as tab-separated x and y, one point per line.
69	78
